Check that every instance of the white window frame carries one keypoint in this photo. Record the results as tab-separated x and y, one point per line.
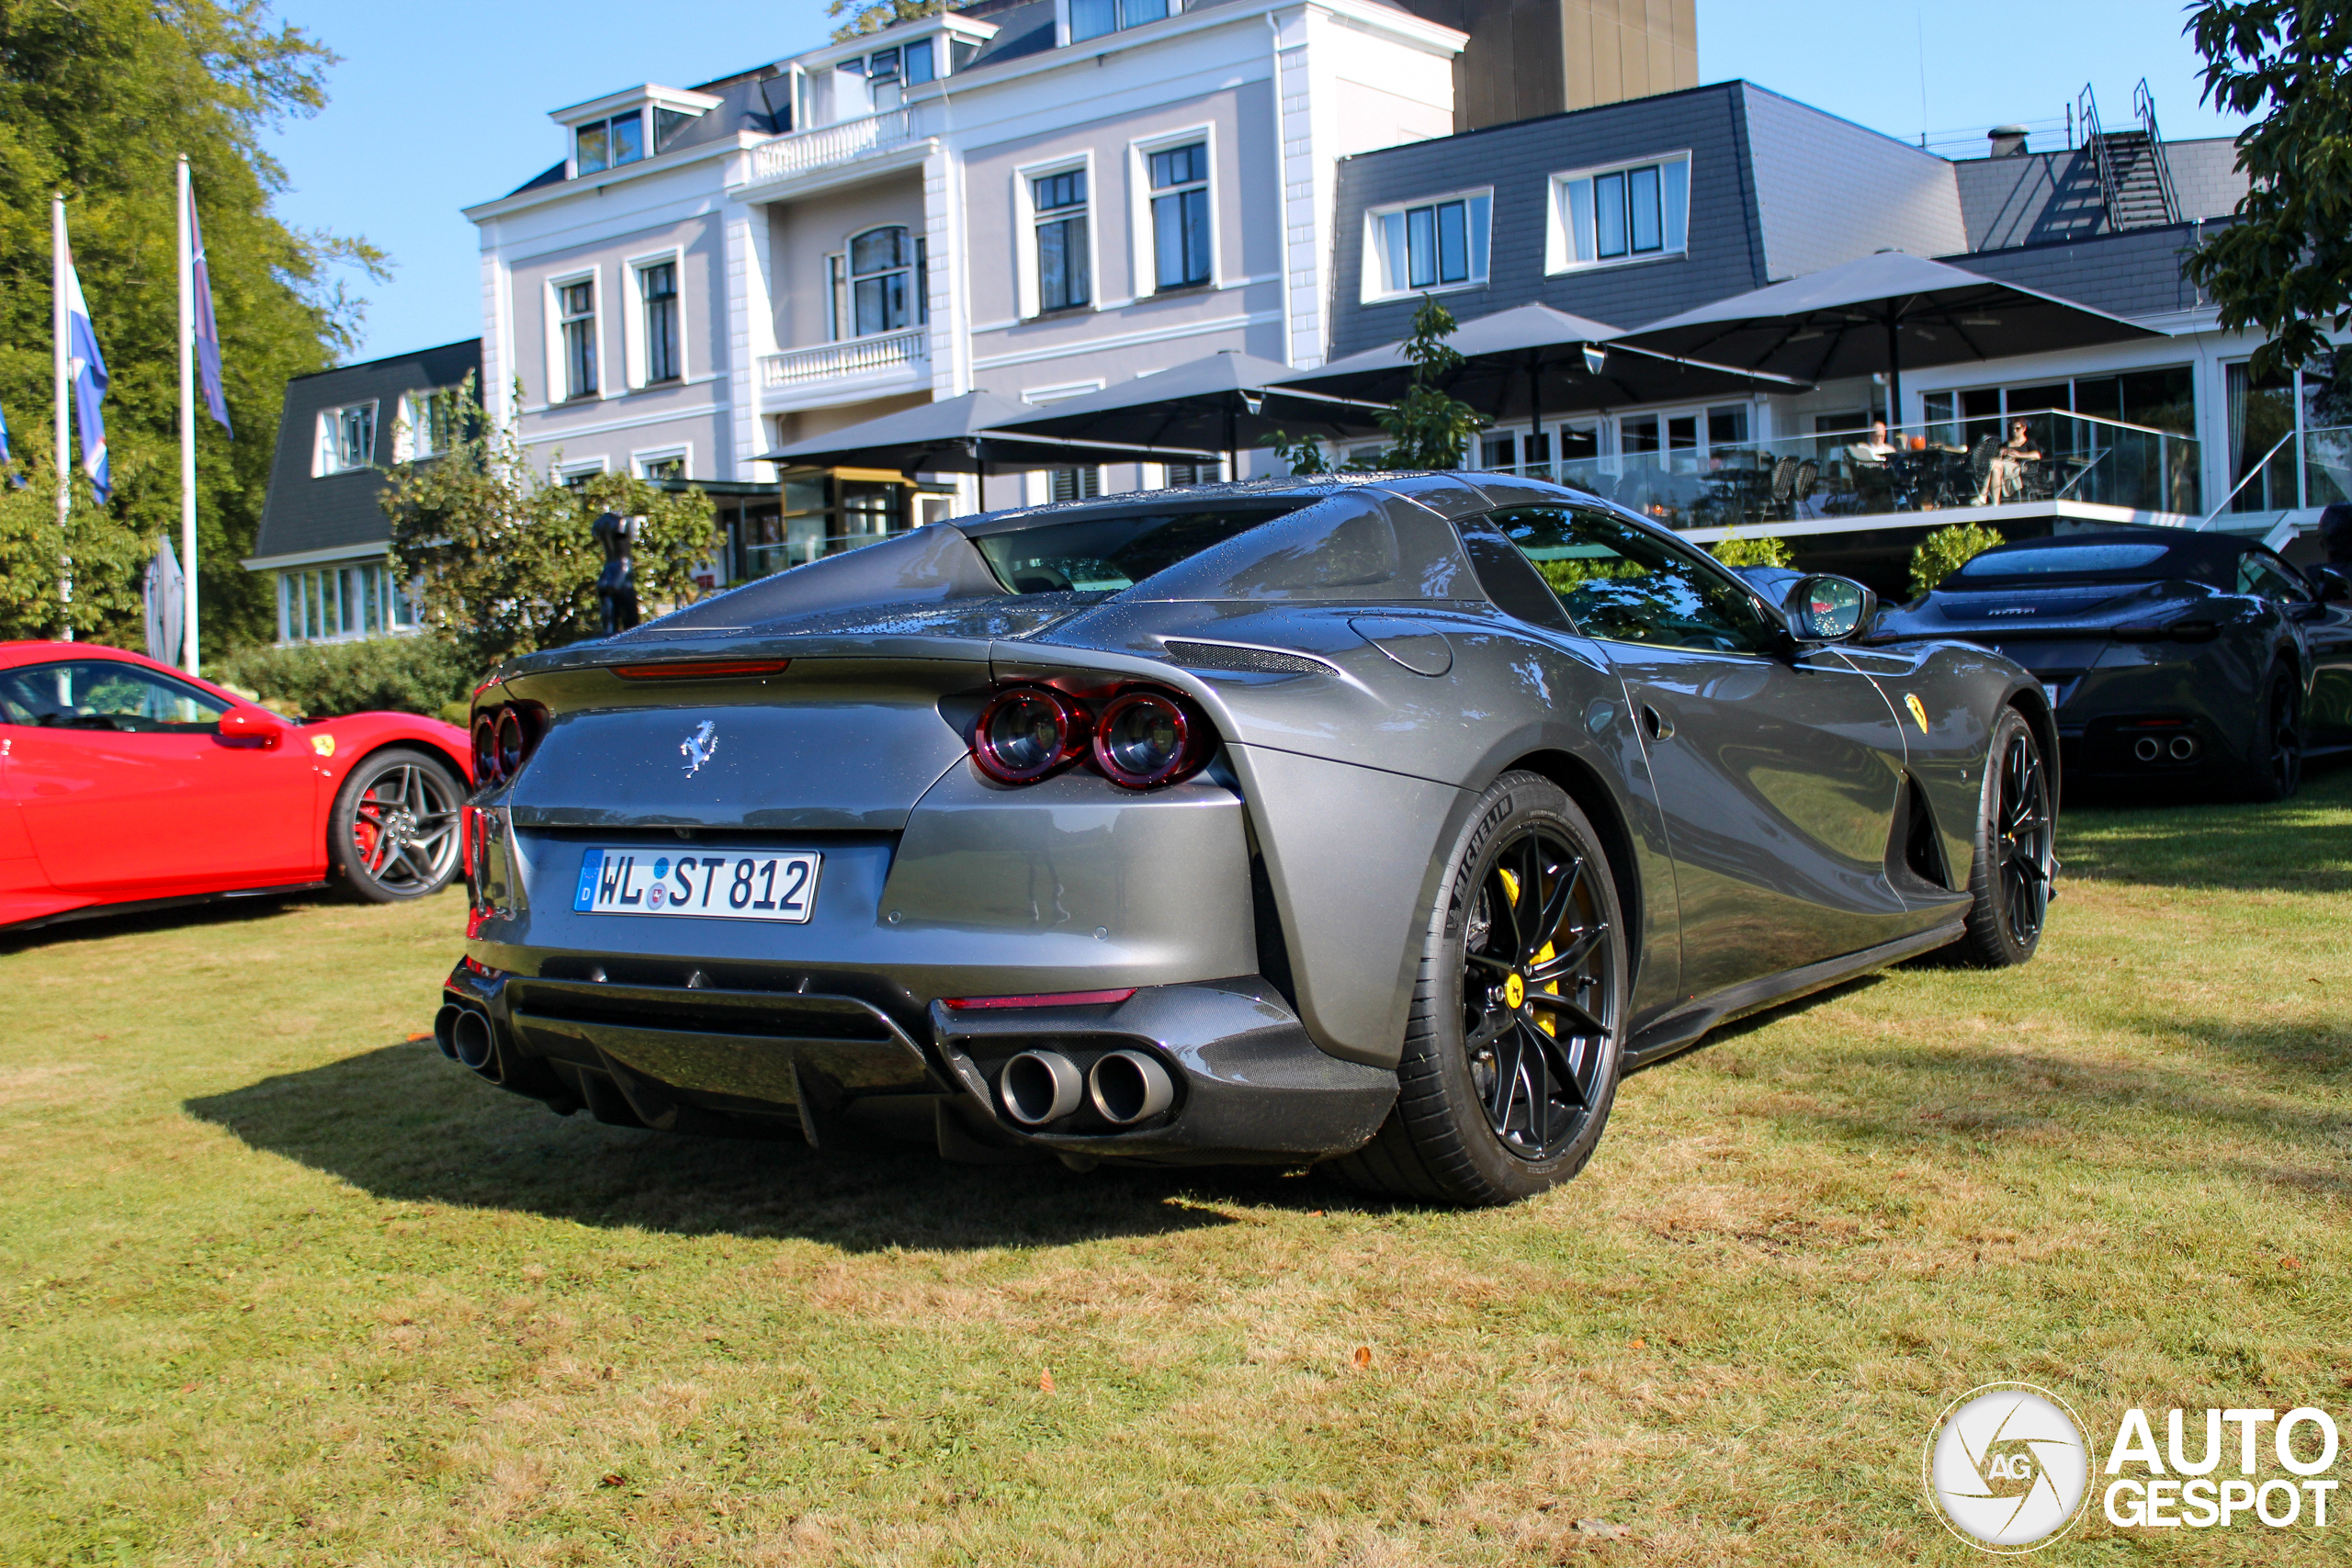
635	344
1478	204
641	460
1559	219
1142	252
1063	29
644	118
559	373
580	468
404	424
324	463
1029	281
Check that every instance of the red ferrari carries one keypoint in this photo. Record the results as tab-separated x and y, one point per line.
124	783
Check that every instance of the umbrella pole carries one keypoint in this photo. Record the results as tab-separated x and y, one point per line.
1893	372
1535	408
1232	445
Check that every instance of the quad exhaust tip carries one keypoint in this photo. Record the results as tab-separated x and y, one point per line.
1038	1087
472	1042
2184	747
1126	1086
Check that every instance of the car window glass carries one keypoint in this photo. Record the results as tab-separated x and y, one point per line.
2266	579
1093	555
1623	583
105	694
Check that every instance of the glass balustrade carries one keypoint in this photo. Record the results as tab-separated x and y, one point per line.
1918	468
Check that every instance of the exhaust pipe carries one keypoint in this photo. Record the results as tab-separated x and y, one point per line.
444	1024
2147	747
1038	1087
2184	747
1128	1085
472	1043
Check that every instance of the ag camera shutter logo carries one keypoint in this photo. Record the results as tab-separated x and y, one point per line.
2006	1467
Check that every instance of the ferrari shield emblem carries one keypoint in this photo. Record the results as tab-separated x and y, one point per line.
1919	710
323	744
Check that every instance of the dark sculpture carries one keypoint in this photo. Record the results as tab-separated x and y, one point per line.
616	585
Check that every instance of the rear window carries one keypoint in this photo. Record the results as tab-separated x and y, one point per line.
2065	560
1094	555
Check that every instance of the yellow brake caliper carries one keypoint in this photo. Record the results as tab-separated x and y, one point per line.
1545	1021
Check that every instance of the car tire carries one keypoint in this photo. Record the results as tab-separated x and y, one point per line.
393	835
2275	756
1492	1105
2015	865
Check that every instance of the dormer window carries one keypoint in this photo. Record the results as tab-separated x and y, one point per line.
1092	19
609	144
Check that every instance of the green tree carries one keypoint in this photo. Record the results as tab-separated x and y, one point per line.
1427	428
504	559
873	16
2285	266
98	97
1736	549
1945	551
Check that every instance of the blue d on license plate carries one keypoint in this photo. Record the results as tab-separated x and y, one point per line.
728	887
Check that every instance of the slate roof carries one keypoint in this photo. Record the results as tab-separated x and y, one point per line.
303	514
2039	198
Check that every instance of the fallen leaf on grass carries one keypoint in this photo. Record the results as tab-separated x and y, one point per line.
1600	1527
1046	1382
1638	1343
415	1038
1364	1356
615	1479
2290	1263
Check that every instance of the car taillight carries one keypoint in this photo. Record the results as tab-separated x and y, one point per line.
468	835
512	743
1142	739
1027	732
1147	739
486	768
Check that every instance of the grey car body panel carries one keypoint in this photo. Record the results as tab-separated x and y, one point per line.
1752	844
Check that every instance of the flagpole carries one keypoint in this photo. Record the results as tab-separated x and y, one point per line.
65	460
187	421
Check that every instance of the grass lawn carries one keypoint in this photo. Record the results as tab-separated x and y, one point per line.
281	1285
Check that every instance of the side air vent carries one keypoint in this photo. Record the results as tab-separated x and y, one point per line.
1249	661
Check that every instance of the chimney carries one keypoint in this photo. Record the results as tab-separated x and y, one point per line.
2008	141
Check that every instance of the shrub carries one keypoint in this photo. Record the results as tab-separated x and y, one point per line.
1945	551
410	674
1736	550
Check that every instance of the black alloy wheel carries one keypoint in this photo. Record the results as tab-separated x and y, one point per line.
395	826
2276	757
2016	864
1514	1039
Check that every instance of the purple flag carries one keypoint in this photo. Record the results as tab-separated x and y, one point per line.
207	332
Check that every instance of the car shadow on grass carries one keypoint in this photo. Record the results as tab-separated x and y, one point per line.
109	923
402	1124
2299	845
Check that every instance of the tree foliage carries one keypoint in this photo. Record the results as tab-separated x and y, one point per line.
1427	427
98	97
873	16
1945	551
2285	267
1736	550
505	561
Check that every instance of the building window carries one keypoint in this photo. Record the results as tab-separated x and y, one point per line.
609	144
667	123
1180	216
1620	215
1193	474
1064	276
1075	484
659	286
346	439
339	602
1092	19
576	309
920	63
880	261
663	465
428	425
1434	244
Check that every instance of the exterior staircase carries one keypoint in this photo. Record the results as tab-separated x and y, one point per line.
2134	182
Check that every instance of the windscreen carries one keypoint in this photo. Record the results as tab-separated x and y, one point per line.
2066	561
1093	555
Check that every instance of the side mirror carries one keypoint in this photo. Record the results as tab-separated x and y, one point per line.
2332	583
252	726
1828	609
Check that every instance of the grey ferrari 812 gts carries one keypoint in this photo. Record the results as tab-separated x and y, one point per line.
1384	819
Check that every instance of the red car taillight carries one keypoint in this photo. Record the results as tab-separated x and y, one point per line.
1028	732
1142	739
469	836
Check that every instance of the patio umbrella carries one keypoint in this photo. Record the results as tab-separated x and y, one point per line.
1518	362
959	436
1881	313
1223	401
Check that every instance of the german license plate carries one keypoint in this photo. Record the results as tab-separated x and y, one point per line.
720	887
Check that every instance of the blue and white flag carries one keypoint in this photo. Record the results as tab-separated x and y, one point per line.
15	481
87	369
207	332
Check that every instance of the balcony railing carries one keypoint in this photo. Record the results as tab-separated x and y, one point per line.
823	146
1919	469
2307	468
859	356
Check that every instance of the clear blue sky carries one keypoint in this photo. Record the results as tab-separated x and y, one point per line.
439	104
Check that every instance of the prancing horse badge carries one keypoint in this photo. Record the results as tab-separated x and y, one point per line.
699	747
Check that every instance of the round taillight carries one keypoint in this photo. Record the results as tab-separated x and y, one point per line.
486	768
1027	733
1147	739
509	744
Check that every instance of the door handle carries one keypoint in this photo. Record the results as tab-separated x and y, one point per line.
1659	726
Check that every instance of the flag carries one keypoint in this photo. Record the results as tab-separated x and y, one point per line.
165	591
87	368
15	481
207	331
